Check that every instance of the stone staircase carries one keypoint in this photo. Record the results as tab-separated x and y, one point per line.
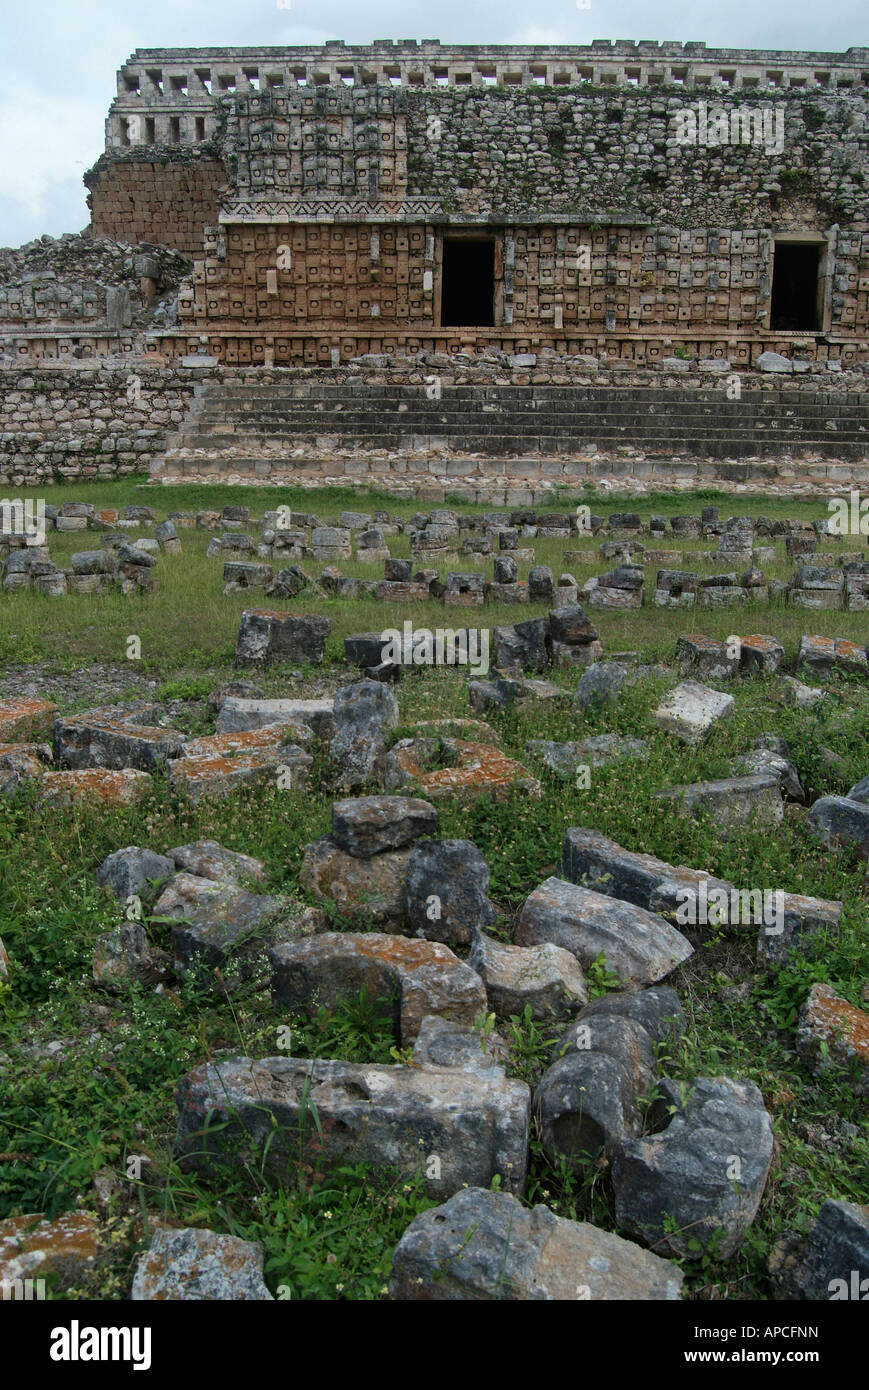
320	429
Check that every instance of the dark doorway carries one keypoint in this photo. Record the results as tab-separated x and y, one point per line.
795	287
468	283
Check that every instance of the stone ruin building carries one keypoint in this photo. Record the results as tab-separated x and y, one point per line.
595	211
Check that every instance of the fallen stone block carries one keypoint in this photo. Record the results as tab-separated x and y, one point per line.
374	888
731	802
640	947
691	897
840	823
691	709
705	1172
764	760
208	859
113	788
476	769
705	658
472	1128
25	718
505	691
96	739
266	635
441	1042
447	891
484	1246
125	956
367	825
134	871
218	764
599	750
832	1032
238	714
588	1101
760	655
860	791
829	1263
525	646
547	979
362	716
224	928
416	977
34	1247
188	1264
822	655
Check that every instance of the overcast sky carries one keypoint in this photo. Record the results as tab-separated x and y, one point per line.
59	59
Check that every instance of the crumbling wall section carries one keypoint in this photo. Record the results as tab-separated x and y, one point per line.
159	196
66	423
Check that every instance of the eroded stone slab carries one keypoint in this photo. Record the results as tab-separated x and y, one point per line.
420	977
482	1246
640	947
691	709
194	1265
476	1127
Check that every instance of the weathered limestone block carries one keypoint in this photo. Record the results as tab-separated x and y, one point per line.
545	978
731	801
482	1246
416	977
217	764
267	635
691	709
25	717
832	1032
224	928
238	714
95	739
706	659
366	825
830	1262
188	1264
640	947
476	1127
113	788
374	888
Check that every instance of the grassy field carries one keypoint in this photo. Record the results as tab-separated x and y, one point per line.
89	1080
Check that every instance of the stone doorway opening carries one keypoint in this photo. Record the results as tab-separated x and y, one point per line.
795	270
468	282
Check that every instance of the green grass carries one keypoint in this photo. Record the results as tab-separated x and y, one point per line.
79	1112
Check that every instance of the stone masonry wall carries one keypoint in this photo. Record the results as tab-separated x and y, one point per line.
168	197
64	423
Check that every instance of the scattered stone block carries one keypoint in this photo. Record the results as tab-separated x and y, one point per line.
34	1247
216	765
134	871
267	635
478	769
691	709
640	947
476	1127
374	888
822	655
830	1262
125	956
224	928
190	1265
731	802
706	1171
368	825
363	714
442	1043
705	658
832	1032
547	979
113	788
208	859
416	977
485	1246
840	823
25	717
238	714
